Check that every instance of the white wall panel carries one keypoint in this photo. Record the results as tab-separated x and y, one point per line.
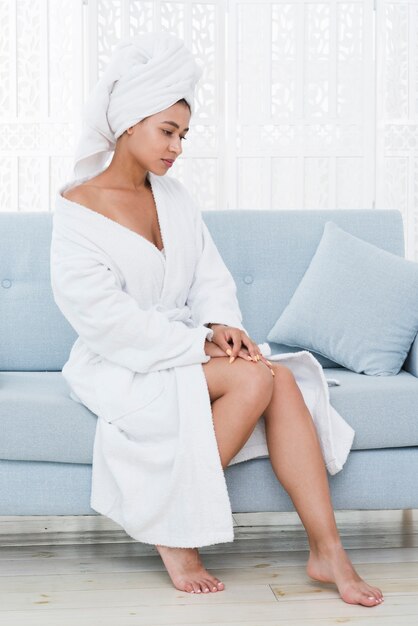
397	114
303	89
40	96
302	103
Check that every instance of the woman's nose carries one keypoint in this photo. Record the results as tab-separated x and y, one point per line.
176	146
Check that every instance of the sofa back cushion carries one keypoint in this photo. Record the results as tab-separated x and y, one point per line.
267	253
34	335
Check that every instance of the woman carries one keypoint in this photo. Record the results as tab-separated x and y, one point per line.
162	357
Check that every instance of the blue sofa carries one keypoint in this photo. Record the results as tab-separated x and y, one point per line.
47	439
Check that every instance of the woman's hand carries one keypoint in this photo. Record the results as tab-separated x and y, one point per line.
212	350
235	343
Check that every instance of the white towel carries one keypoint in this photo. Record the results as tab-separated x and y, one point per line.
145	75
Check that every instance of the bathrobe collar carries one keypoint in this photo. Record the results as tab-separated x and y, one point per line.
160	204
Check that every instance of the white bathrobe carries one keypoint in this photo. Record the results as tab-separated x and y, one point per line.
137	364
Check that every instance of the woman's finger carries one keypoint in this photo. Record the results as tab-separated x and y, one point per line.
259	358
251	346
223	344
225	337
266	362
243	354
235	337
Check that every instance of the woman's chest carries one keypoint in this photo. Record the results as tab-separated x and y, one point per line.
147	273
137	215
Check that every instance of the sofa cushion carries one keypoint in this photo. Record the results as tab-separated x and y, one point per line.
356	304
34	334
40	422
382	410
266	251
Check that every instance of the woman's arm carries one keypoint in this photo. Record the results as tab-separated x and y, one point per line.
109	320
212	296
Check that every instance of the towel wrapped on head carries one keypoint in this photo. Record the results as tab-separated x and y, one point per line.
145	75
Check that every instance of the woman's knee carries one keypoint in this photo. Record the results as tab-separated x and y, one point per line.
253	381
256	382
282	374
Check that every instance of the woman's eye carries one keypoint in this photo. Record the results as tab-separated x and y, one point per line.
170	133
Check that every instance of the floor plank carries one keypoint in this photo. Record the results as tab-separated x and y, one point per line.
87	572
205	609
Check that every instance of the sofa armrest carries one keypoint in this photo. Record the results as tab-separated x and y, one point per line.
411	361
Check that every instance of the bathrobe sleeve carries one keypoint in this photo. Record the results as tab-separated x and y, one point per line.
213	294
109	320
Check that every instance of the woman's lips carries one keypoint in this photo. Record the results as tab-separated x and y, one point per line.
168	163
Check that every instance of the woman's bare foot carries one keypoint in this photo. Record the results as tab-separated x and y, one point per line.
186	570
332	565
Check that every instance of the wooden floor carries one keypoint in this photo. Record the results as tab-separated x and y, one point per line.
79	571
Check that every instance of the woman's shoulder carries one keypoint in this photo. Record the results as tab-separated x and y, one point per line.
90	196
82	193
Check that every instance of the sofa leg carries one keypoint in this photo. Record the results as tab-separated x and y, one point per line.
407	517
406	528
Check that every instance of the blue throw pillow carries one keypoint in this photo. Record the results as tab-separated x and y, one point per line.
356	304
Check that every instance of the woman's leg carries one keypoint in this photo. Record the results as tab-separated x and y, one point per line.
297	460
239	393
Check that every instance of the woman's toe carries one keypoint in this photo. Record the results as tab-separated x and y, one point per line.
369	600
196	587
376	593
204	586
211	584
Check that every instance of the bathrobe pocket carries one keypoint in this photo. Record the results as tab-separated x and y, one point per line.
121	391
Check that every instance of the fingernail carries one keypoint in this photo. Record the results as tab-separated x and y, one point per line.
250	358
229	352
232	359
258	357
272	373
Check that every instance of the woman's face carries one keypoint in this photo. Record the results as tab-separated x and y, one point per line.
159	137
